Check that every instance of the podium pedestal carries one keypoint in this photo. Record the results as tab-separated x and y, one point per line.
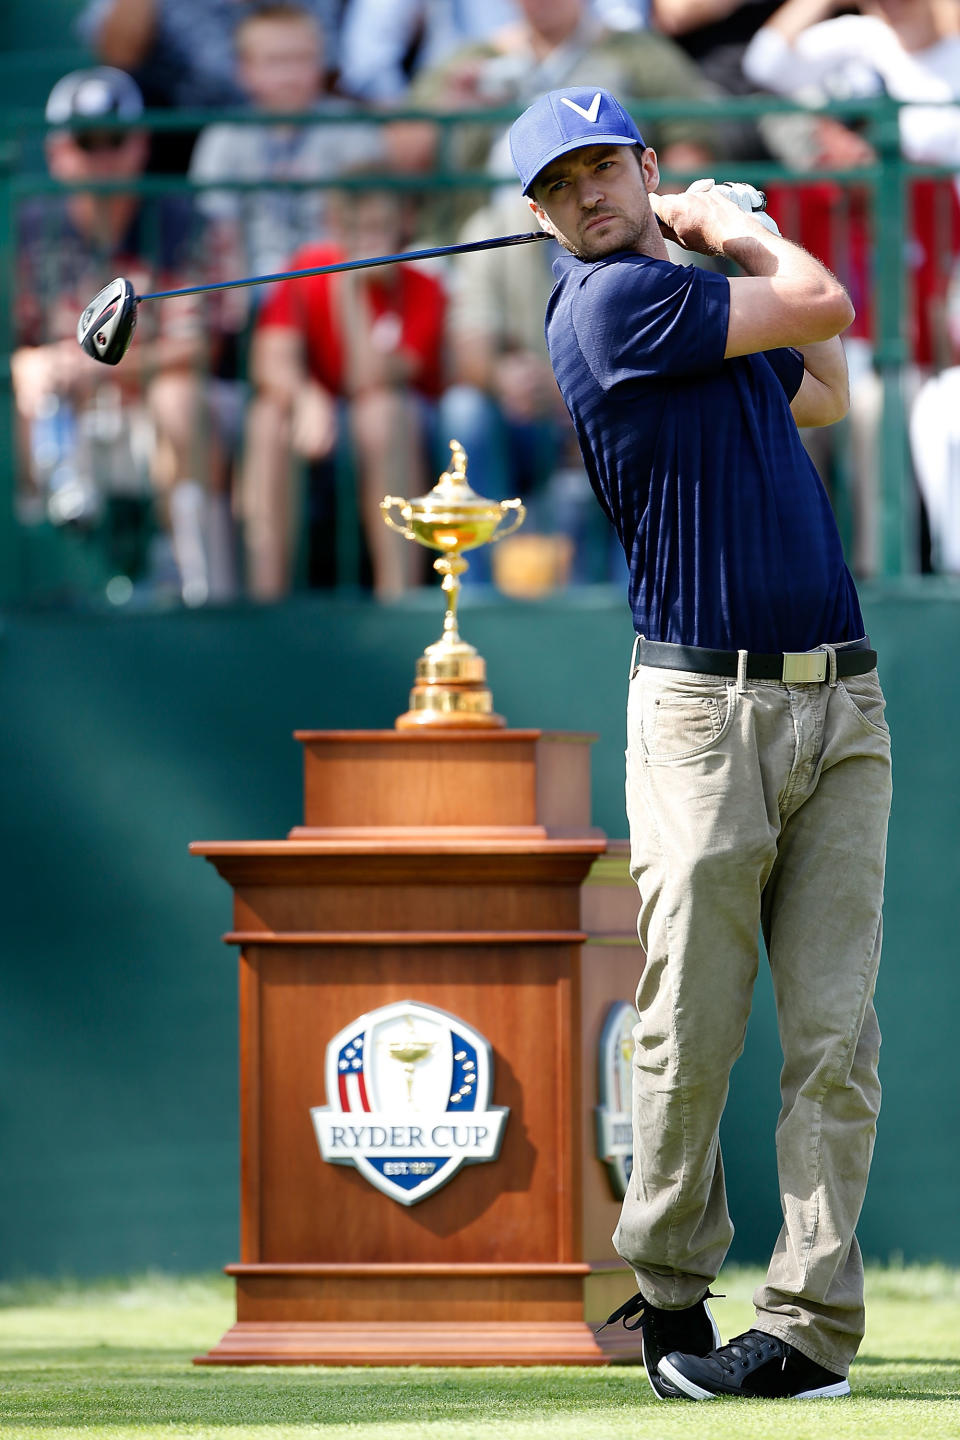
454	870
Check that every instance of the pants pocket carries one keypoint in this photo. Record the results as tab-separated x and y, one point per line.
678	723
863	695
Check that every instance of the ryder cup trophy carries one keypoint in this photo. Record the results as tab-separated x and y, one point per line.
451	686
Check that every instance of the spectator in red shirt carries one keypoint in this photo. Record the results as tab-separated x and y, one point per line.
355	356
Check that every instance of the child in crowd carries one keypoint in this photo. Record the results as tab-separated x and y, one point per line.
280	68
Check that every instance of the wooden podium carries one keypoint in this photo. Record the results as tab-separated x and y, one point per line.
458	870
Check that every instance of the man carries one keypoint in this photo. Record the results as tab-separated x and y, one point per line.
758	761
68	244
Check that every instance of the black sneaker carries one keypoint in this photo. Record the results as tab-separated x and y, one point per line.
754	1365
692	1331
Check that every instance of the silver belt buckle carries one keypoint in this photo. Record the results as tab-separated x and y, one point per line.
801	668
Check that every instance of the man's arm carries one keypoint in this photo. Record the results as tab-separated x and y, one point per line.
676	17
125	33
786	296
824	394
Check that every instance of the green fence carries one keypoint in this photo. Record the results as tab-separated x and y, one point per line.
37	565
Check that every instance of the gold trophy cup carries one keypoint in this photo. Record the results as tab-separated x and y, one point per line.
451	677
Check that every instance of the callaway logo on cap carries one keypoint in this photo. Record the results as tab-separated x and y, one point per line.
565	120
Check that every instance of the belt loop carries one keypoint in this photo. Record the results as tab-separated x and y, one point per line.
741	671
634	667
832	675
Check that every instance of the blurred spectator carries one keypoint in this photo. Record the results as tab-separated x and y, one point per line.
181	54
384	42
92	433
561	42
910	51
715	33
354	357
279	67
935	447
503	406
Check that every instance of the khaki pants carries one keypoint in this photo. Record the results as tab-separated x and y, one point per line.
761	805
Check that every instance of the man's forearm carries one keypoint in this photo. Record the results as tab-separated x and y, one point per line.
761	253
797	15
126	32
676	17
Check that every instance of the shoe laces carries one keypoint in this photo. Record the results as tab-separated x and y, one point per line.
744	1350
661	1322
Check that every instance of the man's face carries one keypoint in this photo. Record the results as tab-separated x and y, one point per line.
552	17
96	154
595	200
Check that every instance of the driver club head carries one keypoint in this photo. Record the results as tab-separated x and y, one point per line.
106	327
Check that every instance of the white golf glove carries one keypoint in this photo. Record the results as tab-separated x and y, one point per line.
745	197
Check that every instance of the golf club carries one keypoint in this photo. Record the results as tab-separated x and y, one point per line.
106	326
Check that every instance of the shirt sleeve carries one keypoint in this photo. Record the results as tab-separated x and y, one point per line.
213	158
647	319
374	37
787	365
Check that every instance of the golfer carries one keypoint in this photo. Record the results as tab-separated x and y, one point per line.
758	759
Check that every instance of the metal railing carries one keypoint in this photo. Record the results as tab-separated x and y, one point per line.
881	190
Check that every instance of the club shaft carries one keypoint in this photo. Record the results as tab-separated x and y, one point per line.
495	244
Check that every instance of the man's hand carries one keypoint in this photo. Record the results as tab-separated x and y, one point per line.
706	216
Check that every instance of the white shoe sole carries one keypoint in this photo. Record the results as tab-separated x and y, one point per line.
696	1392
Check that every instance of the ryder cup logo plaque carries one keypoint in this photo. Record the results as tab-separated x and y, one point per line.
614	1117
409	1090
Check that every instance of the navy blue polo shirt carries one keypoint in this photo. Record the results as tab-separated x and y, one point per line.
727	530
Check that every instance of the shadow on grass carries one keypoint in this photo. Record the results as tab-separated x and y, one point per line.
141	1389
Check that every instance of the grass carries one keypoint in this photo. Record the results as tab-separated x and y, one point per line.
112	1360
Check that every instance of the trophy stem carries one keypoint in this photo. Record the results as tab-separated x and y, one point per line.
451	568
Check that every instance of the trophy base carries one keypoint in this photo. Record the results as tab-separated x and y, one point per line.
447	708
450	692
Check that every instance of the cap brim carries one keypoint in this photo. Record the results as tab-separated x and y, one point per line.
578	144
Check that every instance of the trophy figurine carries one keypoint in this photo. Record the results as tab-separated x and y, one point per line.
409	1052
451	686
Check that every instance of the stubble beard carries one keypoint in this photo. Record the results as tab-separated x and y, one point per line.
629	234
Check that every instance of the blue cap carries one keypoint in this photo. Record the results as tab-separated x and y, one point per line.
566	120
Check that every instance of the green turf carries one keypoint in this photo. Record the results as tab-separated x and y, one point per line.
112	1360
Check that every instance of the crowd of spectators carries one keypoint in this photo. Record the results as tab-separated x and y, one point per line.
253	426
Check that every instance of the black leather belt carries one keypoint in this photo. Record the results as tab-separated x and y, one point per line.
807	667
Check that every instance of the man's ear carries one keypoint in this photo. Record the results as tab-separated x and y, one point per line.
541	215
650	169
